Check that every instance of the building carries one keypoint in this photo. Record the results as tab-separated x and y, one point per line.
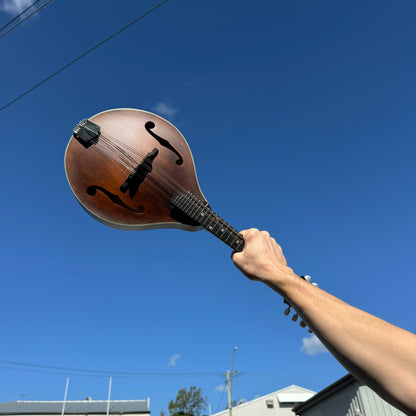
279	403
346	397
76	408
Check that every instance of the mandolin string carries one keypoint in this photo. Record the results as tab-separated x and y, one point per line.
118	149
108	151
117	153
174	185
114	149
120	152
193	200
110	154
157	187
131	168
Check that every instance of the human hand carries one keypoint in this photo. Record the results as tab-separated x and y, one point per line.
262	259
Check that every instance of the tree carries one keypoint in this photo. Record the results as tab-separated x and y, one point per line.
188	403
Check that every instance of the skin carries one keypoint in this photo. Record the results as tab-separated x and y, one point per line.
377	353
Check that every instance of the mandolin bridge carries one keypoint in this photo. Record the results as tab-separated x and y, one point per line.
139	174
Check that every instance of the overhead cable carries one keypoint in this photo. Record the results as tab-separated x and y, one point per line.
27	17
20	14
82	55
90	372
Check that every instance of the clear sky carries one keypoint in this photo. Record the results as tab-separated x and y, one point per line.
301	119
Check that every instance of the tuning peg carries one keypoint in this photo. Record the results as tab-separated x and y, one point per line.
295	317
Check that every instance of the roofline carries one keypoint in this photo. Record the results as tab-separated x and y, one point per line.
76	413
326	392
77	401
274	393
85	402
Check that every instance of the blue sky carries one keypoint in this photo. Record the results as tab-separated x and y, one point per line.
300	116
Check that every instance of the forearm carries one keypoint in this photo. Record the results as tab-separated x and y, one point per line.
379	354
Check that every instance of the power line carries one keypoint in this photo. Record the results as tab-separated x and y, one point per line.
132	376
27	17
22	13
91	372
222	397
82	55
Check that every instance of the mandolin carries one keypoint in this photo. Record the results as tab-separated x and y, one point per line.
133	170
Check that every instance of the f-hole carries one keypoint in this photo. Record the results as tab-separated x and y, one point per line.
92	190
163	142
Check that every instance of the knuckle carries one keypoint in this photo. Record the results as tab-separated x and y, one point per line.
252	231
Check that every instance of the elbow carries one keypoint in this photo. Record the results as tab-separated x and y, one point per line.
405	399
410	397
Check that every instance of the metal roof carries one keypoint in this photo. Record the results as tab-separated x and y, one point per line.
74	407
347	396
326	392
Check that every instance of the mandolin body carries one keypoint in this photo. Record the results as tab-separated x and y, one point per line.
97	173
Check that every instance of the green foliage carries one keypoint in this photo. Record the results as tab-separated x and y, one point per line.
189	402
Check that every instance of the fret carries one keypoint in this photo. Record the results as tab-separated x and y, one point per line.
181	203
193	209
187	205
225	231
221	228
213	224
237	240
228	233
216	227
208	219
203	218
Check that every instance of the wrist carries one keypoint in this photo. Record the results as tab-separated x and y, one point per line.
283	280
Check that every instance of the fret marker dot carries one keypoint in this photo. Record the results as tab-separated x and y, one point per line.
210	227
222	230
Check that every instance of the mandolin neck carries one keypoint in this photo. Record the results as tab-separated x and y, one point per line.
200	212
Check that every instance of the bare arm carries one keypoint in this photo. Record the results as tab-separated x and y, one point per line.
377	353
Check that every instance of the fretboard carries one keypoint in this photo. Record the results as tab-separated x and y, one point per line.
190	205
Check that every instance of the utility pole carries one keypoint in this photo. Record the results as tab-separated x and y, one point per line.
230	375
230	401
109	395
65	396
